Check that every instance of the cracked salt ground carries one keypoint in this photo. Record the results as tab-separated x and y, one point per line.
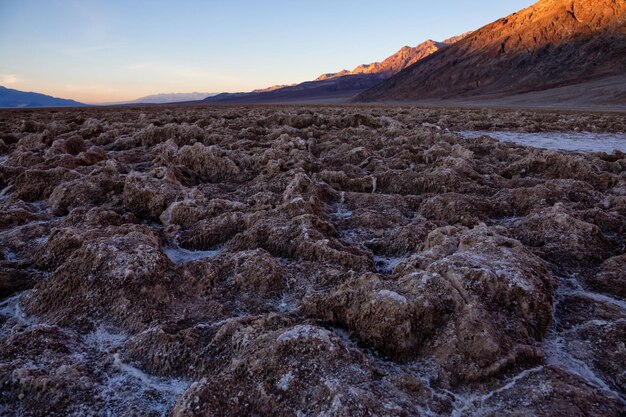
4	193
570	286
146	386
555	346
478	404
123	387
180	255
9	255
104	339
421	372
288	303
128	387
11	310
474	404
16	229
386	264
342	211
565	141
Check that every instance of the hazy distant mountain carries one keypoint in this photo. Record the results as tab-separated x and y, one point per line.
338	86
171	98
552	44
10	98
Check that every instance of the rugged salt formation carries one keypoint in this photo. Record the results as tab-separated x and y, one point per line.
289	261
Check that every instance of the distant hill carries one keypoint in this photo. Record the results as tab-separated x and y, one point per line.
552	44
329	90
338	86
170	98
10	98
272	88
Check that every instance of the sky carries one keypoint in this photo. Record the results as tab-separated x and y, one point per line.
115	50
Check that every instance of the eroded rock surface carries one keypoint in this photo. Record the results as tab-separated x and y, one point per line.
334	261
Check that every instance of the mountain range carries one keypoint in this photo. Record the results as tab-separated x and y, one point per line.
393	64
553	53
164	98
338	86
10	98
564	44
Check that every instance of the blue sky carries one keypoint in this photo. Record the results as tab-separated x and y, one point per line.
97	51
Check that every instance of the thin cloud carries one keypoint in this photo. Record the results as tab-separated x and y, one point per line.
91	88
9	79
88	49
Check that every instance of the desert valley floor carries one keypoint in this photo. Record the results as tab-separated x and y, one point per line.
309	261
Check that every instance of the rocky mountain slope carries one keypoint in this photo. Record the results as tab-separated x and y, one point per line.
337	86
14	98
550	44
393	64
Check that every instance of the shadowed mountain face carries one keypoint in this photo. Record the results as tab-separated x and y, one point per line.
332	89
550	44
10	98
337	86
